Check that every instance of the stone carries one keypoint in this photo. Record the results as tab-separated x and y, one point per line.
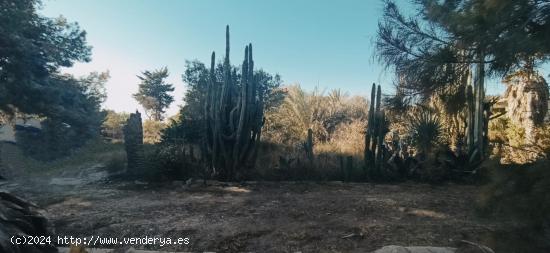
414	249
471	247
526	99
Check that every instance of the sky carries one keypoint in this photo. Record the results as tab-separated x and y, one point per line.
315	43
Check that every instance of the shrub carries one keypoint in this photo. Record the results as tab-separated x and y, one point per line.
112	126
425	128
152	131
172	162
521	192
347	139
510	143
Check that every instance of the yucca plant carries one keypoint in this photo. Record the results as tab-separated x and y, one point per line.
425	129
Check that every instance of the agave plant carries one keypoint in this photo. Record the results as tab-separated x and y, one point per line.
424	128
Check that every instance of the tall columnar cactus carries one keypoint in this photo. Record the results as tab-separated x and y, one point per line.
477	113
133	143
470	118
234	117
375	133
369	133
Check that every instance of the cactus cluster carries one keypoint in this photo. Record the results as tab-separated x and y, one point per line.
133	143
374	135
233	115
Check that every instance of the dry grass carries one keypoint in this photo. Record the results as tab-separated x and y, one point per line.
92	153
348	140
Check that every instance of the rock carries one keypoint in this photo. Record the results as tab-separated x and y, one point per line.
471	247
66	181
527	98
414	249
22	218
125	249
82	176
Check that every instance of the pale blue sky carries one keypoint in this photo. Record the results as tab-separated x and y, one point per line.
311	42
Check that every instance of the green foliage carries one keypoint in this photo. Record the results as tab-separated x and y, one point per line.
113	124
425	129
435	48
154	93
510	143
270	85
32	50
171	161
233	118
152	131
190	121
93	86
375	134
77	118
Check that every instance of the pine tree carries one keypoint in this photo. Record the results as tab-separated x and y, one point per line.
154	93
459	43
32	50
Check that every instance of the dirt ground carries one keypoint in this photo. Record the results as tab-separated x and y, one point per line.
267	216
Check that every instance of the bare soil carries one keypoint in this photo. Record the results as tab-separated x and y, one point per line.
269	216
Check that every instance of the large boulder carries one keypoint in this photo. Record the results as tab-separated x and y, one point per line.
527	99
19	217
463	247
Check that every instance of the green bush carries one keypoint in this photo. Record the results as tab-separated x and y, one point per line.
510	143
168	161
112	126
425	129
173	162
152	131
